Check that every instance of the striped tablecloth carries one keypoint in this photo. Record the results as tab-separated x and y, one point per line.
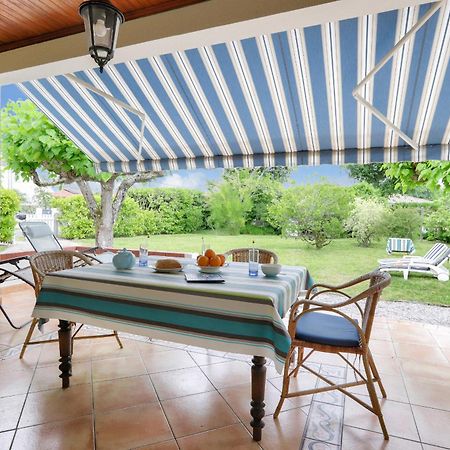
242	315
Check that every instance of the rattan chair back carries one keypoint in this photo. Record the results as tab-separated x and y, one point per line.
43	263
241	255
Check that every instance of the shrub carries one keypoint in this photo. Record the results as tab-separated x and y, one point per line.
173	210
314	213
76	221
9	206
365	221
402	222
437	224
228	208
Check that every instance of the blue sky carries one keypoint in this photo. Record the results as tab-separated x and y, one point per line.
198	179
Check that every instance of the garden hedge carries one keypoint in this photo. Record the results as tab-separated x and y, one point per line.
9	206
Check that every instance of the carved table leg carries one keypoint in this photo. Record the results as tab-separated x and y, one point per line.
65	352
258	389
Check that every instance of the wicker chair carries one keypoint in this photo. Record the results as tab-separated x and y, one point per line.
323	327
53	261
241	255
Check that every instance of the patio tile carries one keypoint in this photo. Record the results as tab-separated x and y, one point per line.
178	383
148	348
382	348
428	393
198	413
173	360
436	372
48	377
6	439
420	353
446	352
75	434
393	384
356	439
304	380
203	359
15	382
109	348
387	365
10	409
325	422
433	425
397	416
284	433
123	393
130	427
443	340
226	374
168	445
57	404
419	336
234	437
239	397
109	369
28	362
432	447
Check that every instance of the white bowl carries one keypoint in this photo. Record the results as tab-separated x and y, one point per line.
271	270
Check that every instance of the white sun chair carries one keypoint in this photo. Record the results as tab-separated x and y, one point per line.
432	263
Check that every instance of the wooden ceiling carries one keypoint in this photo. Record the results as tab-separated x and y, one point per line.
27	22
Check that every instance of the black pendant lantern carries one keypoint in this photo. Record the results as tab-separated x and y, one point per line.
101	22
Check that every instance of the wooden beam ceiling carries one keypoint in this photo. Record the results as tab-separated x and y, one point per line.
27	22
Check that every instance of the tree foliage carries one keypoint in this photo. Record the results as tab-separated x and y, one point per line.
374	174
228	207
314	213
437	224
35	149
435	175
365	221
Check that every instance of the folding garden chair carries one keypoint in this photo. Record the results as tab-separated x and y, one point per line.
323	327
400	245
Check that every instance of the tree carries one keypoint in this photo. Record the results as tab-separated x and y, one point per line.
373	174
314	213
262	185
365	221
36	150
228	207
435	175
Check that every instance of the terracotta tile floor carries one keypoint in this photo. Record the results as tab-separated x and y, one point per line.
163	396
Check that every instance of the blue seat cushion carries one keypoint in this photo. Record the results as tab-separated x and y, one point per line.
327	329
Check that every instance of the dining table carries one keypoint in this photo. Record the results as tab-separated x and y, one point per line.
241	315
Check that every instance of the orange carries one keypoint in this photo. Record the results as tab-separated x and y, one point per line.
198	257
222	259
210	253
215	261
203	261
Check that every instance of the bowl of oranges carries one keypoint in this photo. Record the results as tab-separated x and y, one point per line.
210	262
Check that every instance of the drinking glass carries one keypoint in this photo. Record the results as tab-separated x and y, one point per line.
143	255
253	262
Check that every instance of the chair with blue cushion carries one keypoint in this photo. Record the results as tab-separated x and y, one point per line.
322	326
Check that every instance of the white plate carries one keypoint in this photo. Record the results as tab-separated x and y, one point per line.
174	270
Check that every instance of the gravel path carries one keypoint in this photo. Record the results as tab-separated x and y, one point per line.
418	312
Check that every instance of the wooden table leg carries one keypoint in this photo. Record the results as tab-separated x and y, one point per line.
65	352
258	390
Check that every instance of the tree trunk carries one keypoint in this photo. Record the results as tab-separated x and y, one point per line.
104	222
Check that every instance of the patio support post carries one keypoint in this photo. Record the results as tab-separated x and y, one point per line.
65	352
258	389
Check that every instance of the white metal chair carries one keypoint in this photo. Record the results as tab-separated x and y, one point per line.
432	263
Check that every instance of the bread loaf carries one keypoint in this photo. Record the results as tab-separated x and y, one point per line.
167	263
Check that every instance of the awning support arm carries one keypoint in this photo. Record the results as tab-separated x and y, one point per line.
419	24
119	103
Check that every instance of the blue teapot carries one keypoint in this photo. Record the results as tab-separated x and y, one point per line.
124	260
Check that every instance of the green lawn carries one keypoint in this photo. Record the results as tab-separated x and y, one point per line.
337	262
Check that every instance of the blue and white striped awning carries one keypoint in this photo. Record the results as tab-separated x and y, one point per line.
279	99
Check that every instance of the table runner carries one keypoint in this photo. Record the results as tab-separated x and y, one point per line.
242	315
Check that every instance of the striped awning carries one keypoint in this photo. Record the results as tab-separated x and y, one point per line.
278	99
